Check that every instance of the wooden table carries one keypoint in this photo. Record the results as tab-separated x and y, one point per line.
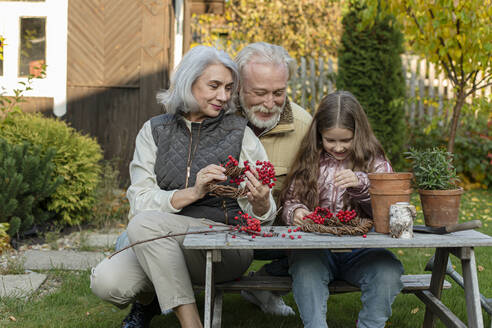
461	244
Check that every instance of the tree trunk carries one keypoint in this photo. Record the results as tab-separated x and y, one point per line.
460	101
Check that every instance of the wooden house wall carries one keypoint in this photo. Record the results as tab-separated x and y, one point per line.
118	58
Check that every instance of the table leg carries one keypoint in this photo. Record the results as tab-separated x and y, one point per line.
472	293
437	280
208	291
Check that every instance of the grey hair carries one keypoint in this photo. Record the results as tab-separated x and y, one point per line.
191	67
263	52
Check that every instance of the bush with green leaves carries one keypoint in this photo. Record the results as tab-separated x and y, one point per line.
27	180
473	143
433	168
112	206
76	161
369	66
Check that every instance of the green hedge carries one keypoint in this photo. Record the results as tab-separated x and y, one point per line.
76	161
369	66
27	181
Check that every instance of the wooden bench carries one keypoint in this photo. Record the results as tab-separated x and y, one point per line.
411	284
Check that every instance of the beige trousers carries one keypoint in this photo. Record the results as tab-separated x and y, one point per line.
162	266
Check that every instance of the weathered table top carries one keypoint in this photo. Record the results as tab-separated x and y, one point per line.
217	239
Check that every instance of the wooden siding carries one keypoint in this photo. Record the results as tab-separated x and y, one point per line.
199	7
37	104
118	58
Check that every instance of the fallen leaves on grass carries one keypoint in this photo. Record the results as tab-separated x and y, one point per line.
480	268
12	318
414	311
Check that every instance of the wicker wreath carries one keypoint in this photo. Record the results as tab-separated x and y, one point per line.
228	191
356	226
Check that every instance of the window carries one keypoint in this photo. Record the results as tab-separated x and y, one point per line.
35	41
32	46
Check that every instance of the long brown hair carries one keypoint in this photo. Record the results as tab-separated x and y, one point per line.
338	109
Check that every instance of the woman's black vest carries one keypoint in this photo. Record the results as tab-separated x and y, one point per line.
179	150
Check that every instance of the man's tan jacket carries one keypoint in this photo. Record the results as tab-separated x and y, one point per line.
282	141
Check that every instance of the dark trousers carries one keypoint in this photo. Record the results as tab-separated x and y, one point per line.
280	263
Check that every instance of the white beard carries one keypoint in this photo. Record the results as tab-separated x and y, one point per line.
257	122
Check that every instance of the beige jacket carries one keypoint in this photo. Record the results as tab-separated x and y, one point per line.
282	142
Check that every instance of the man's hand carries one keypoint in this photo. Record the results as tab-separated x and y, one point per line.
299	213
258	193
346	179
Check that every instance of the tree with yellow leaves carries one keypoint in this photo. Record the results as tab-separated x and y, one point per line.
454	34
303	27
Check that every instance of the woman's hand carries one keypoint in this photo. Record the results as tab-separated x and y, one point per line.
258	193
208	174
299	213
346	179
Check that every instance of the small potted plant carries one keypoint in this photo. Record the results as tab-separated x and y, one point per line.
437	184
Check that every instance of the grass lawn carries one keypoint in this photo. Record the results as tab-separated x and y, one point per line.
73	305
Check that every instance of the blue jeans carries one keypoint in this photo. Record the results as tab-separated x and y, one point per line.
375	270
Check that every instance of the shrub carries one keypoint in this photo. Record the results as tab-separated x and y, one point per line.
473	143
4	237
76	160
111	207
369	66
26	181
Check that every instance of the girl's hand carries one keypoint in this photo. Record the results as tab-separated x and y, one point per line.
258	194
346	179
299	213
208	174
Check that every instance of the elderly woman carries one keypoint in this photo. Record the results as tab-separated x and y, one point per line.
176	155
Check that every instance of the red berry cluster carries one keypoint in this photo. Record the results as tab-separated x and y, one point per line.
248	223
251	226
265	169
346	216
234	162
321	214
266	173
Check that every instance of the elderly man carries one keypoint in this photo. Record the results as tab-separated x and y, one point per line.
264	71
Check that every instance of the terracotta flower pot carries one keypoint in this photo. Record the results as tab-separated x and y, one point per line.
390	181
381	202
440	207
387	189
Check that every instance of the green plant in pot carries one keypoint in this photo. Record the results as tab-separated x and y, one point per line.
437	183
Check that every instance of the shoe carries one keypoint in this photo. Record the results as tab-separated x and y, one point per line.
140	315
268	302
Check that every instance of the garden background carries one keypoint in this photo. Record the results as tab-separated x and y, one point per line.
421	70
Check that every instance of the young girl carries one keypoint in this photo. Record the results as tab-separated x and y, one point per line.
330	170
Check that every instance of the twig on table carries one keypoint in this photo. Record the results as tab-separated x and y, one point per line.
165	236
